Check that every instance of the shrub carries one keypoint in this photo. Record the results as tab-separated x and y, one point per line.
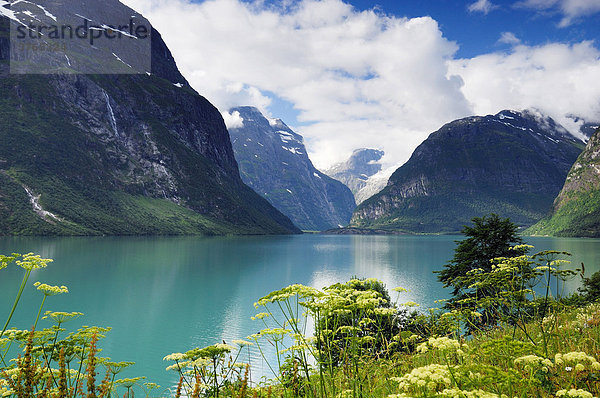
591	287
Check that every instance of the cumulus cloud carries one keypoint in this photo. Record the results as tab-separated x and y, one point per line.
571	10
509	38
233	120
555	78
484	6
357	78
362	78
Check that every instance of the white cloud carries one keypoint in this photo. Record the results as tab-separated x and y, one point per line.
509	38
558	79
484	6
363	79
571	10
233	120
358	79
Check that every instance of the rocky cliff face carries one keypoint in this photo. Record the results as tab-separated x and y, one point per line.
584	175
357	172
512	163
128	153
576	210
274	162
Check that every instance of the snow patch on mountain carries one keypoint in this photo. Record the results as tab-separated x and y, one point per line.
6	12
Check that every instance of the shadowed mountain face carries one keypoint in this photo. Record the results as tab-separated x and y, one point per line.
576	210
128	153
512	163
588	129
355	173
274	162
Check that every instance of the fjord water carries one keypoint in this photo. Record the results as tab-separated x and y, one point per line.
170	294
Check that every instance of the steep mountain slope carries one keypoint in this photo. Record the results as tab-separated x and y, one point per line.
355	173
576	210
273	161
511	163
118	153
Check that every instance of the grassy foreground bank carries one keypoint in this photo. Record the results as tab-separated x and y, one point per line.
351	339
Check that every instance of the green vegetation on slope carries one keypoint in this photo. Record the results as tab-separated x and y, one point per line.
577	208
91	183
434	214
580	216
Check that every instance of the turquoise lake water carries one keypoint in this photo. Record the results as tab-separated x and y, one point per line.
171	294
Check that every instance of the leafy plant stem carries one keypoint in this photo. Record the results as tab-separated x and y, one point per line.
39	312
14	307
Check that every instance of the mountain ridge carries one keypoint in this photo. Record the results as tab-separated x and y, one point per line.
114	154
510	163
274	162
358	172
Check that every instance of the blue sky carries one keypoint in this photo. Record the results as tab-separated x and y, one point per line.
347	74
478	32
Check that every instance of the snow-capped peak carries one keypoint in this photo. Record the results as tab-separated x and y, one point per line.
275	122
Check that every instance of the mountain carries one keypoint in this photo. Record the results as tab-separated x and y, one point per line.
128	151
511	163
576	210
274	162
586	127
357	173
375	184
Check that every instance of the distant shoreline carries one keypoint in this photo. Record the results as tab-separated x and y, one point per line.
362	231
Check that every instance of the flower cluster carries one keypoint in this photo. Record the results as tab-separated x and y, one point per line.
533	362
61	317
261	315
50	290
430	377
242	343
117	367
283	294
439	343
31	262
410	304
458	393
5	260
579	393
581	360
5	390
385	311
129	382
176	356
